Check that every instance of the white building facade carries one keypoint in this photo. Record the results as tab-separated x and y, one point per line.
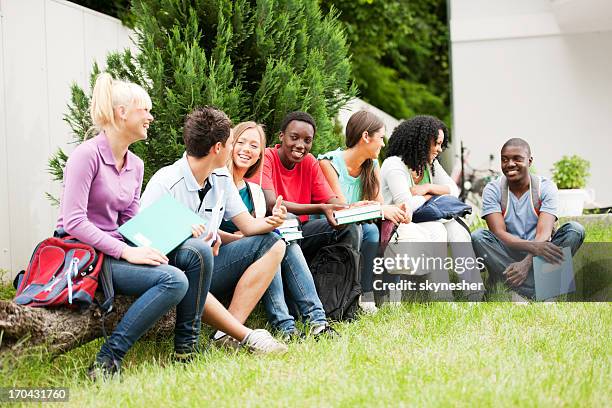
536	69
45	46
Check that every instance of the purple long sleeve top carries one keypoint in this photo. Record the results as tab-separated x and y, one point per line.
97	198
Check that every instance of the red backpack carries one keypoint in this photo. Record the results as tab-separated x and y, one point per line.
64	272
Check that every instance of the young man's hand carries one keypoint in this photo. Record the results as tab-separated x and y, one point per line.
362	203
516	272
215	245
198	230
328	211
547	250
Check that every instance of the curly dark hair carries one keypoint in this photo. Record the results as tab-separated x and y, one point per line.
412	139
203	128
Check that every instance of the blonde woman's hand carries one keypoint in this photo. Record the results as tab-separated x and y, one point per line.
143	256
279	213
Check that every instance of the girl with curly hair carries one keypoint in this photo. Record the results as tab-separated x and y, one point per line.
411	174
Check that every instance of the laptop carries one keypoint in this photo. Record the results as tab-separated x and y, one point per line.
553	280
164	225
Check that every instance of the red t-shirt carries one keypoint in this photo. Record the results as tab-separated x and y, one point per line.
304	184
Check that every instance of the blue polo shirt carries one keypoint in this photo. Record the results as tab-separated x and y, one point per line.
520	219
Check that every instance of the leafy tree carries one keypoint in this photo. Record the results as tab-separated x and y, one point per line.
255	59
400	53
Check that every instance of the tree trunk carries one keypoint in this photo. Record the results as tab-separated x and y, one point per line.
63	329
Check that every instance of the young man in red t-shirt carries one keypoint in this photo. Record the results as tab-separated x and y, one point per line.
291	171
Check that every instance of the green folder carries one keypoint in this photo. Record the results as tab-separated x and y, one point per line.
164	225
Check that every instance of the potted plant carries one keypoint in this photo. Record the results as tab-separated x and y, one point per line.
571	174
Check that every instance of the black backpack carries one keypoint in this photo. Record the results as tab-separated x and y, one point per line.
336	270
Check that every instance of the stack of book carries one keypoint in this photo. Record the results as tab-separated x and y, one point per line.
290	230
357	214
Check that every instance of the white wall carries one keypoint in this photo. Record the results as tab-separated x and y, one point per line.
357	104
536	69
45	45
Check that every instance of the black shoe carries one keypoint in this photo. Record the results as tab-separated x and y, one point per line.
323	331
104	368
184	358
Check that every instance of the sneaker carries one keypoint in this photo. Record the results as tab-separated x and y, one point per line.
260	341
103	368
518	299
323	331
226	342
184	358
368	307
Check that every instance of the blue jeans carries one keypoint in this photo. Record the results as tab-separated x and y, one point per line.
301	291
369	249
497	256
234	258
183	283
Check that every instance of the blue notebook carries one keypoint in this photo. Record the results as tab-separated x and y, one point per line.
554	279
164	225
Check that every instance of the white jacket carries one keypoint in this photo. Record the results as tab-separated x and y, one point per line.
259	201
397	181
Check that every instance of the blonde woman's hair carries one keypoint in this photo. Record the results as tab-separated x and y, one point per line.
108	93
240	129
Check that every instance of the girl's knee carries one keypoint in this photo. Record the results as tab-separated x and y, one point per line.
175	281
278	249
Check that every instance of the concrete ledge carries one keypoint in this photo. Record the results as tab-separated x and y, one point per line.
590	219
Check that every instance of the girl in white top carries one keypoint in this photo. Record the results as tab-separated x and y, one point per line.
411	174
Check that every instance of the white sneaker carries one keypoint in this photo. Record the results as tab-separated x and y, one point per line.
368	307
518	299
260	341
227	342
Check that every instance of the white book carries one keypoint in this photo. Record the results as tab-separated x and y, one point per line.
288	229
292	236
290	223
359	217
364	209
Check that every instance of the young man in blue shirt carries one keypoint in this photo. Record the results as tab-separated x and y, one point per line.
524	228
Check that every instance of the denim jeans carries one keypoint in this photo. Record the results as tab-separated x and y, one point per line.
296	278
234	258
183	283
497	256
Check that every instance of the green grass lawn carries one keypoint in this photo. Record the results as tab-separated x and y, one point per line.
417	354
433	354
